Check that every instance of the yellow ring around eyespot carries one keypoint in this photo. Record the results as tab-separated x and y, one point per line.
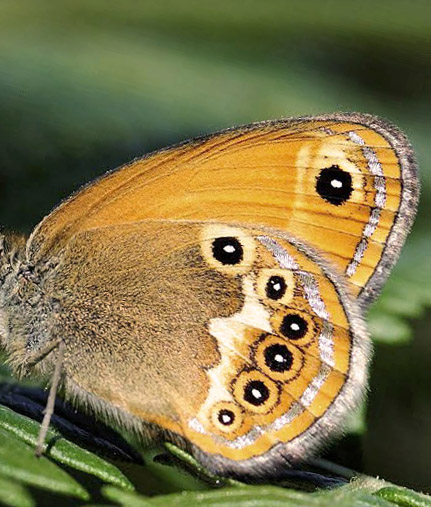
295	352
211	232
262	282
312	326
243	384
234	408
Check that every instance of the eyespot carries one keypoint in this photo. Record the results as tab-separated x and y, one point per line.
277	358
294	326
227	416
334	185
230	250
227	250
276	285
255	391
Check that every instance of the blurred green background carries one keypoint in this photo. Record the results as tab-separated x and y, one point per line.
87	85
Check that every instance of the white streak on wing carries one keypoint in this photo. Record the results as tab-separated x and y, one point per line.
230	334
376	170
326	344
313	295
195	425
315	385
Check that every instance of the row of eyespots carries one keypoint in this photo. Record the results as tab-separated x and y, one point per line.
258	390
253	389
229	251
277	285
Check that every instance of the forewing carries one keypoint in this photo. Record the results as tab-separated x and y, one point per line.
345	184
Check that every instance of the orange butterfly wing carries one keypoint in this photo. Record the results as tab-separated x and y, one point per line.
345	184
238	343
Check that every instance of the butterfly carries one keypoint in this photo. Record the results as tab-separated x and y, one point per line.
212	294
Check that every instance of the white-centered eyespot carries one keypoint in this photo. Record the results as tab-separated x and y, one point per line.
227	417
277	358
231	250
256	391
276	285
296	326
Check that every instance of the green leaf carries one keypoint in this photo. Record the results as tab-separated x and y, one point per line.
14	494
62	450
389	328
126	498
406	295
404	497
186	460
361	492
160	477
17	461
253	496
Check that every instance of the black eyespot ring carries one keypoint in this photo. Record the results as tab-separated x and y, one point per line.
278	358
294	326
256	392
228	250
334	185
275	287
226	417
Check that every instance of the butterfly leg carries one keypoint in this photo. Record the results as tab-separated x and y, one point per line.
42	353
49	409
